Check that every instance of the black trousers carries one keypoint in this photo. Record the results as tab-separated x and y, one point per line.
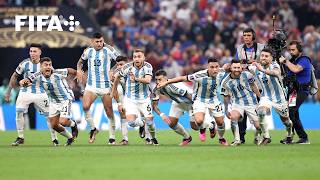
243	127
294	115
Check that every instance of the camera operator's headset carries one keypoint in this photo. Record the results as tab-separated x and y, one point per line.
255	45
299	46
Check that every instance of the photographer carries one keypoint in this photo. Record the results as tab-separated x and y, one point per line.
247	53
299	75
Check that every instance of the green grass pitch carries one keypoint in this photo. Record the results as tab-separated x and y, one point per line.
37	159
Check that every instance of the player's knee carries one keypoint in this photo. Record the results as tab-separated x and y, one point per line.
262	112
86	106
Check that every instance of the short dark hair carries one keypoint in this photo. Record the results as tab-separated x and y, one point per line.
212	59
161	72
45	59
138	50
97	35
252	31
268	51
121	58
234	61
298	45
36	46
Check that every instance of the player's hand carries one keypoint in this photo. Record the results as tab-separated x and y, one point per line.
24	83
282	60
79	76
111	76
226	67
228	115
258	65
7	96
121	108
132	77
161	85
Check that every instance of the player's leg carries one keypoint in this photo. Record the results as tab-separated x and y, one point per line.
22	105
131	116
236	115
221	130
65	117
254	119
54	121
41	103
124	129
283	111
199	109
107	104
88	99
176	110
146	109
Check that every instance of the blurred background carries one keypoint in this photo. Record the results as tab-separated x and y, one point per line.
177	35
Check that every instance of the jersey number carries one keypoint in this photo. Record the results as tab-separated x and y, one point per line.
149	108
240	87
97	62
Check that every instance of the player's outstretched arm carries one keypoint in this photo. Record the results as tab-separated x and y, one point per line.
79	70
12	84
145	80
255	89
173	80
72	72
274	72
156	109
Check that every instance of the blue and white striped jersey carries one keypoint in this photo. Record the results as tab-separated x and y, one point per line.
205	87
25	69
55	86
175	93
271	85
134	89
239	89
99	63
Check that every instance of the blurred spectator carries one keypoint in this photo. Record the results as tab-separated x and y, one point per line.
3	90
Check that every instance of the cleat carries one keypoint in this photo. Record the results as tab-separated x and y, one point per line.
213	131
69	142
93	134
154	141
18	141
55	142
265	141
186	141
148	141
303	141
236	143
112	141
256	141
223	142
74	130
124	142
243	141
287	140
202	135
142	131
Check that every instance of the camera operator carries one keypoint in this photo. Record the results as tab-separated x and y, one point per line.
247	53
298	82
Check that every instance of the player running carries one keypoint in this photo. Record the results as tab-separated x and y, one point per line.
181	102
268	74
205	94
60	96
31	94
138	75
99	59
241	87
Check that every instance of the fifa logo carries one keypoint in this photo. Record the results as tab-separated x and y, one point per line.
45	22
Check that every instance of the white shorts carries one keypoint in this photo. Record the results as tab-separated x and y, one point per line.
215	109
178	109
63	109
98	91
40	101
120	93
281	108
138	106
249	110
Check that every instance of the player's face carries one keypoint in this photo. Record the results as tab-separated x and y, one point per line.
247	37
294	50
97	43
46	68
213	68
161	79
265	58
121	64
138	59
236	69
34	53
